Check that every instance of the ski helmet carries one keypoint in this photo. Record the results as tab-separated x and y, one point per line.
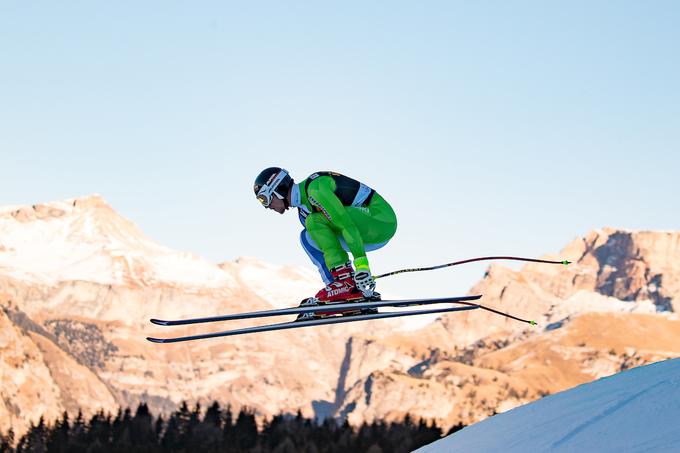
272	181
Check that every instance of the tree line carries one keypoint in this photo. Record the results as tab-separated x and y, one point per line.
217	429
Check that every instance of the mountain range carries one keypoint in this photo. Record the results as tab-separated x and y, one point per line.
78	283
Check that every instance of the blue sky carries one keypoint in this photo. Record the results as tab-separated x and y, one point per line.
491	127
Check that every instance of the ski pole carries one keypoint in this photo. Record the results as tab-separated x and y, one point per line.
507	315
484	258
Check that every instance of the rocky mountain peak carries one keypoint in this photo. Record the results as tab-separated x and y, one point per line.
56	209
614	270
627	265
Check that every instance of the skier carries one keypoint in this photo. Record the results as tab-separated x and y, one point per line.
339	215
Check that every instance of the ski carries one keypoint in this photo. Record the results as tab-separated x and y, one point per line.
315	309
314	322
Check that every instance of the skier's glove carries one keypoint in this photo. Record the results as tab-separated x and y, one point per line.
365	283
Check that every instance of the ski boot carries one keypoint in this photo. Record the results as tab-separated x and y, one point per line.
343	289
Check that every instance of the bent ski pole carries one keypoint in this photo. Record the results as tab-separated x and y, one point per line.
484	258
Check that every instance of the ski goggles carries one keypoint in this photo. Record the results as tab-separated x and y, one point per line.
267	191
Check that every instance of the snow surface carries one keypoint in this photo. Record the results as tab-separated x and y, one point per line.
633	411
591	302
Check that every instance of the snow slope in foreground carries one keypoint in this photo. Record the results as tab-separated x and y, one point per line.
636	410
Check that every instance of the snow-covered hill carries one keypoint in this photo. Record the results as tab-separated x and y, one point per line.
636	410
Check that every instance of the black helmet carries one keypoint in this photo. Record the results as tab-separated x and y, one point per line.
272	181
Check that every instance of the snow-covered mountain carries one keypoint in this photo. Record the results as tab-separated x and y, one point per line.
633	411
85	239
78	283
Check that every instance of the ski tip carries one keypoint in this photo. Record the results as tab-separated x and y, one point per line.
159	322
533	323
566	262
155	340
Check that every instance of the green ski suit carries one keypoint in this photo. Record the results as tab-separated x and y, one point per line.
341	214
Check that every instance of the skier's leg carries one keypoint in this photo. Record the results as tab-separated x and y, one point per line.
316	255
340	284
320	230
376	222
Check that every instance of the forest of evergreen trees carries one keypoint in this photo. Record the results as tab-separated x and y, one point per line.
216	430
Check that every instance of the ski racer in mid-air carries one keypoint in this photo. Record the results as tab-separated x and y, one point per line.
339	215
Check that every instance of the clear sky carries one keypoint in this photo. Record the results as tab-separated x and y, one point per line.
492	127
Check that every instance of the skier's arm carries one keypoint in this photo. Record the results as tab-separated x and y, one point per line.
321	194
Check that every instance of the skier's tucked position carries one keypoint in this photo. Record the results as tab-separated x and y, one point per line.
339	215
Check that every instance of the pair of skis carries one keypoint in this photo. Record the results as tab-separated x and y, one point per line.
465	301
